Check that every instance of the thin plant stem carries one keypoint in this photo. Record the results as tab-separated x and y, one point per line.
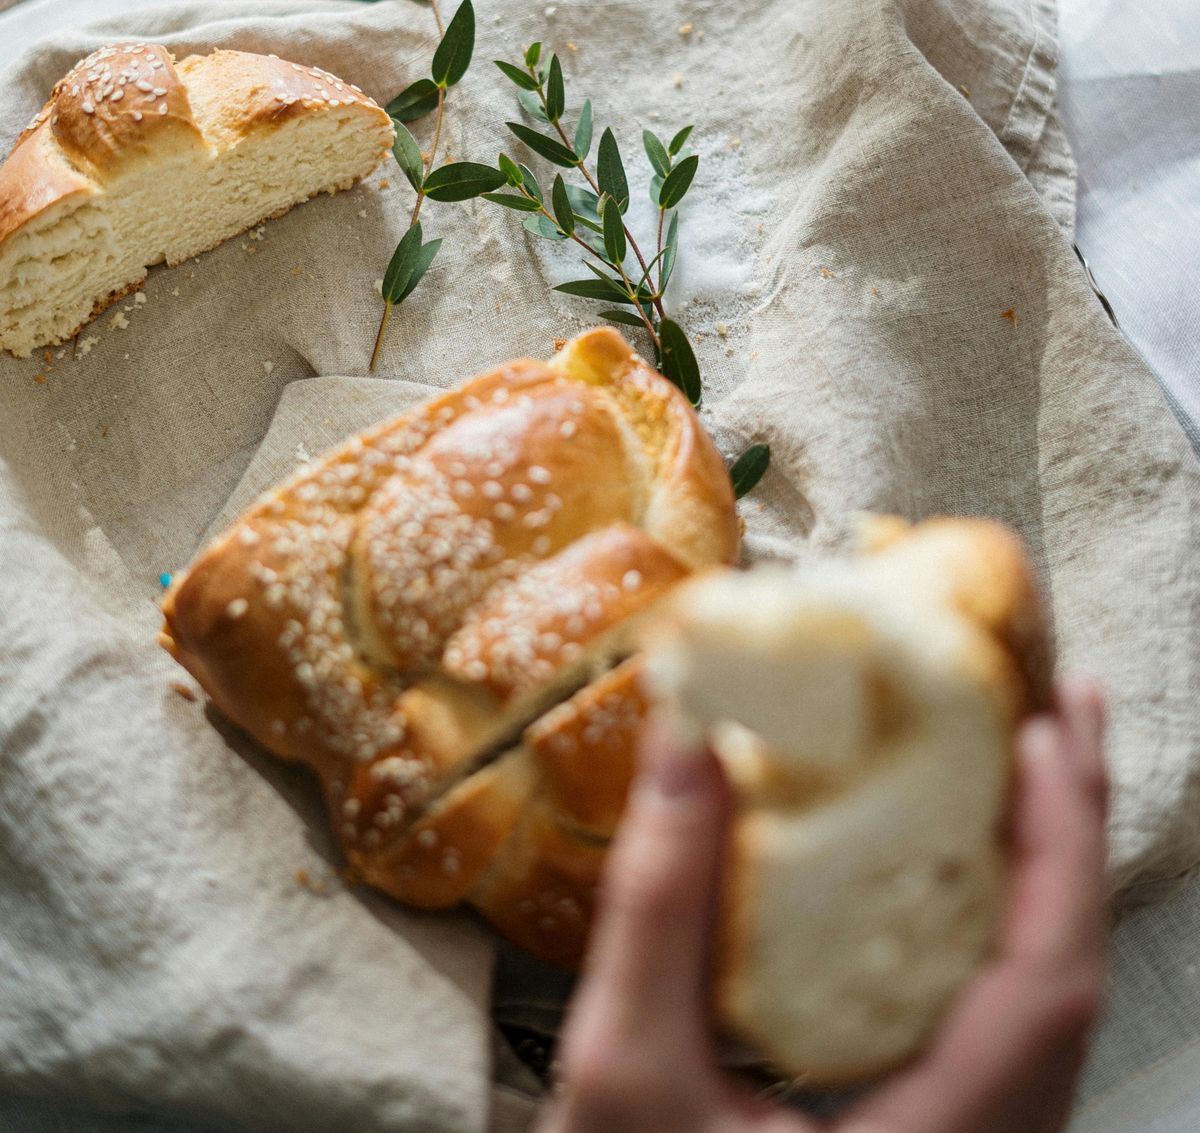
582	167
437	17
426	166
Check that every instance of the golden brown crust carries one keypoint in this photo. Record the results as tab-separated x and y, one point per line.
541	890
410	606
117	104
34	177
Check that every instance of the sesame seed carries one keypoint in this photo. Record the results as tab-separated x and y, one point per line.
88	108
631	580
162	108
539	475
492	490
568	429
237	607
142	85
350	808
427	838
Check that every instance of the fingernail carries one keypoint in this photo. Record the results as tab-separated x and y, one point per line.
671	765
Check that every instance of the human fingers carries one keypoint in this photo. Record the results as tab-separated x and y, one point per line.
1007	1058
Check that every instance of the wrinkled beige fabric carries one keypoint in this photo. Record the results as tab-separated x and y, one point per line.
877	273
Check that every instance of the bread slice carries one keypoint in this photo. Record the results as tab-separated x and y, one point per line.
866	869
135	160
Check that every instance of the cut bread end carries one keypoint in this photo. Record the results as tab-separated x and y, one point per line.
88	249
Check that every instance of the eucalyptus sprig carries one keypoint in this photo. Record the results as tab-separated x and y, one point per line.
412	257
593	216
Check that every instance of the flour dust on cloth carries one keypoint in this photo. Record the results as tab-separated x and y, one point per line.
875	287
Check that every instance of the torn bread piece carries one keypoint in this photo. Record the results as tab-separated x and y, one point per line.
866	713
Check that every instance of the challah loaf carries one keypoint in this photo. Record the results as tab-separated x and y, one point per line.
436	618
866	865
136	159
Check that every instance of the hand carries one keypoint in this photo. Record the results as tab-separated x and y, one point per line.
637	1051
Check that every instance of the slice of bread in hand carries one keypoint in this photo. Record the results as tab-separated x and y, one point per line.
866	864
136	159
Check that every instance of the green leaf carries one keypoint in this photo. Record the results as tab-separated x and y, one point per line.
678	182
656	184
562	206
610	171
453	54
748	469
404	260
529	102
420	267
585	203
408	156
546	147
414	101
523	79
533	55
657	153
462	180
625	318
649	268
678	141
642	294
530	182
512	201
603	288
614	231
670	248
678	360
511	170
544	227
583	132
556	91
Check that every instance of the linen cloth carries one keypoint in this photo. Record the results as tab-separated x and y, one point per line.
869	345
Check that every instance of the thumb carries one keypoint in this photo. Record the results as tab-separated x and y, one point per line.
646	977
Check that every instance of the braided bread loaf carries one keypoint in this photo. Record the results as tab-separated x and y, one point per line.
437	618
136	159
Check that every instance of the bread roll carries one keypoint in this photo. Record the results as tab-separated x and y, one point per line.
436	617
136	159
866	713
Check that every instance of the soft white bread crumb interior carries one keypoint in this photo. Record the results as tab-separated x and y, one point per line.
183	196
870	758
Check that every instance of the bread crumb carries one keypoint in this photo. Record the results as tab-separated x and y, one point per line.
40	379
302	453
734	143
60	353
678	80
119	321
104	432
1010	315
175	291
297	271
559	343
966	90
85	347
572	47
685	30
385	184
186	691
722	330
268	366
827	274
362	214
313	885
139	300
